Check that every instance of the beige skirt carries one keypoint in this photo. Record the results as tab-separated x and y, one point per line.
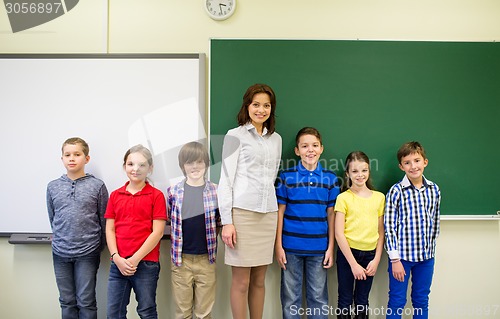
255	235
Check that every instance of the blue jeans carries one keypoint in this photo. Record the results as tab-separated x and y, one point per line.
76	281
144	283
349	288
308	269
421	279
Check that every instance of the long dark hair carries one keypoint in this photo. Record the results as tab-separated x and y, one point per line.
243	117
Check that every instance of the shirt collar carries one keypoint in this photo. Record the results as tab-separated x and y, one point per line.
405	182
304	171
148	189
66	178
182	184
249	126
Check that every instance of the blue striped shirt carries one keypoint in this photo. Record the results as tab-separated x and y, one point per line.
411	220
306	194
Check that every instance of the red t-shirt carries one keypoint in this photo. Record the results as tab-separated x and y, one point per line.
134	215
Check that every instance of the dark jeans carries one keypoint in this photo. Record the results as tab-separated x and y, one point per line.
349	288
144	283
76	281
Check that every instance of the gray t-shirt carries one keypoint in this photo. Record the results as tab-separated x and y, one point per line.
76	212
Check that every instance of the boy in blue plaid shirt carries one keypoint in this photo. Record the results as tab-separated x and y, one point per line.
195	221
411	221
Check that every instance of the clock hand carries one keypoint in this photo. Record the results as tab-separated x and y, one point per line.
220	7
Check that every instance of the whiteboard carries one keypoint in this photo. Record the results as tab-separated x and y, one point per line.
111	101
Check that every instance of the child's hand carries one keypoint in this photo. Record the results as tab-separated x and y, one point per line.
358	272
125	266
328	261
229	235
398	271
281	257
371	269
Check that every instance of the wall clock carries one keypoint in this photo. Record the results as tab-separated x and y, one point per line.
220	9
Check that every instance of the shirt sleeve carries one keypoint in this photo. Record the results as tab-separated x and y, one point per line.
218	221
169	203
380	210
340	204
230	154
333	193
214	201
110	209
101	209
436	216
391	220
280	186
160	207
50	207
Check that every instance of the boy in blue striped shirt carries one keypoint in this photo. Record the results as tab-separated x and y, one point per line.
304	245
411	221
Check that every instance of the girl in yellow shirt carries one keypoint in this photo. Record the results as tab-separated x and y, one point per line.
359	231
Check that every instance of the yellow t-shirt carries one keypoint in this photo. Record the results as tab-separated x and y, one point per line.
361	218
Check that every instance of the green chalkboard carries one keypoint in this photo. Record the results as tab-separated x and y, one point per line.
373	96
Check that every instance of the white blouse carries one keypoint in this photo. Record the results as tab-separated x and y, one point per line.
250	164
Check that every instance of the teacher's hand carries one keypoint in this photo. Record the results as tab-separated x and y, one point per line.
229	235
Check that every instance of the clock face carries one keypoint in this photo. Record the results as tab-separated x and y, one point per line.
220	9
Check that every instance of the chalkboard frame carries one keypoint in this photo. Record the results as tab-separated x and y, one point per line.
368	75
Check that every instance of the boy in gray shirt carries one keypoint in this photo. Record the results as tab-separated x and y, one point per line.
76	203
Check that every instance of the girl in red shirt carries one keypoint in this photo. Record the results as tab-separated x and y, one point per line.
135	221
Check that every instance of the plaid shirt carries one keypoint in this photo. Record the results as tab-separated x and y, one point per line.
212	219
411	220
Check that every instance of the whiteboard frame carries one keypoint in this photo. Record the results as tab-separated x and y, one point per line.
200	60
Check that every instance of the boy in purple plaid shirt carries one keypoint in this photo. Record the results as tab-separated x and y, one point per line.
195	224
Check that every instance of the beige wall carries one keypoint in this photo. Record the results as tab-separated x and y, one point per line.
466	277
465	284
175	26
